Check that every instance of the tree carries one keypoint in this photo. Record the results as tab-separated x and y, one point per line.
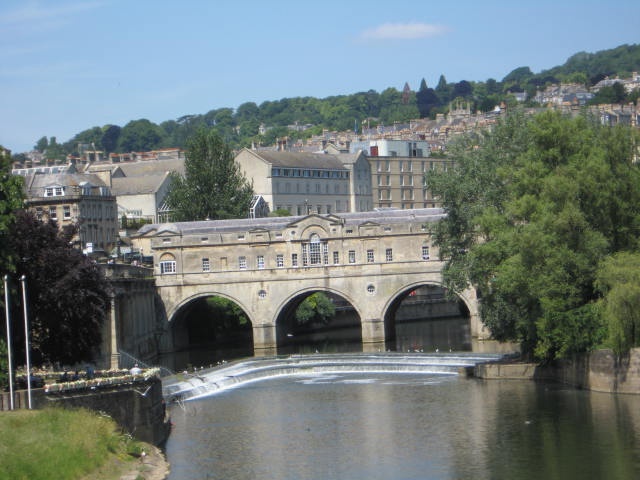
68	296
11	199
618	278
213	186
532	208
426	99
140	136
317	307
110	137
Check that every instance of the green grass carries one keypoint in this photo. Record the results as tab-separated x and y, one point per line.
59	443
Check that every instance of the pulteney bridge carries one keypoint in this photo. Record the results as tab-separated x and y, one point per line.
267	266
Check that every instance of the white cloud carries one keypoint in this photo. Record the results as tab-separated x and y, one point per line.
403	31
34	13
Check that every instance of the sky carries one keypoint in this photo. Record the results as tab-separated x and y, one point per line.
69	65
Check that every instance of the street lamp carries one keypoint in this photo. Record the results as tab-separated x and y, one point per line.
6	309
23	281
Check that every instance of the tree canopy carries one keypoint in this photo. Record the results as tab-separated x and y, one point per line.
317	307
213	187
68	296
532	209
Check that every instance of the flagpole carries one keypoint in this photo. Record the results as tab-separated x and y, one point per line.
6	309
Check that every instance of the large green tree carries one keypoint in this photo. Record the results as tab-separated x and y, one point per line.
67	293
533	207
213	186
618	278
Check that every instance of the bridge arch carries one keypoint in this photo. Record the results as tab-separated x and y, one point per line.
428	301
343	332
202	331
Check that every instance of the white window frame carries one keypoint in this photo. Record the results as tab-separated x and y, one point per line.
206	264
242	262
168	267
352	256
280	260
389	254
370	256
260	262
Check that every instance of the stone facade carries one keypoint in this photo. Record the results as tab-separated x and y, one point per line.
369	259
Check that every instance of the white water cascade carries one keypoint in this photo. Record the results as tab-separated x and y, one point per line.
206	382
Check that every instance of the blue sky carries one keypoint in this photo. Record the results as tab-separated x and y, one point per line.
69	65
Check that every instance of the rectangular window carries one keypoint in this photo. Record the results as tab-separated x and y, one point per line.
242	263
168	266
206	266
389	254
425	252
279	260
66	212
336	258
294	259
53	213
370	258
352	256
260	261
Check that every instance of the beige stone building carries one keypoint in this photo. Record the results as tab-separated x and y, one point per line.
398	170
305	183
70	197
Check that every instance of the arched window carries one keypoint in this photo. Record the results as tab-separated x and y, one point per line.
315	251
167	264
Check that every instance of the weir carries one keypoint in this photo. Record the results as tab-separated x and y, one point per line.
188	386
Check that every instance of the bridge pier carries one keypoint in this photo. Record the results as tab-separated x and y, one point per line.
373	337
264	340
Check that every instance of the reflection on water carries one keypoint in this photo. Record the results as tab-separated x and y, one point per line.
405	426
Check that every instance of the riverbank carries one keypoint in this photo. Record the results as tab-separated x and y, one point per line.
73	444
598	371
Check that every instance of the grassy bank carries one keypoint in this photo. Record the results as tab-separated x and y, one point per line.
63	444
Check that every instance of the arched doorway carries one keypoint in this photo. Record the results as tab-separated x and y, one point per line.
206	331
426	318
301	326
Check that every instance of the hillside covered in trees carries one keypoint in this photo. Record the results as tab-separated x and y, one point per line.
241	127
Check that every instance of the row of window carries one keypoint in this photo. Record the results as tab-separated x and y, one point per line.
286	188
298	172
313	254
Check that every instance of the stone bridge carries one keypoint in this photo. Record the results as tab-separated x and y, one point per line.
268	265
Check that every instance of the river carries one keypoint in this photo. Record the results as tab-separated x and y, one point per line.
401	426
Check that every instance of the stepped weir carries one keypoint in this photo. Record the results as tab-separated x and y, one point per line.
207	382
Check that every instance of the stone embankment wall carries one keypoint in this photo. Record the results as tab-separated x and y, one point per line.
138	408
600	371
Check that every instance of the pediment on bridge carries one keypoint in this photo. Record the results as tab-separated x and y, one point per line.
314	219
162	230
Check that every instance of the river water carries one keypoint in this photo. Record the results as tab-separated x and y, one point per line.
404	426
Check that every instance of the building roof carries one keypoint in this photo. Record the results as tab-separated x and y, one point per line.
138	185
386	217
300	160
35	183
143	168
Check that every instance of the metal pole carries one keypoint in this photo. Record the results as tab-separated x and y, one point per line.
6	309
23	280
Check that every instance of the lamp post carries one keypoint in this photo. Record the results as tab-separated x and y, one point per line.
23	281
6	308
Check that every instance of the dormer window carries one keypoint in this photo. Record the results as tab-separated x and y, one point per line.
53	191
